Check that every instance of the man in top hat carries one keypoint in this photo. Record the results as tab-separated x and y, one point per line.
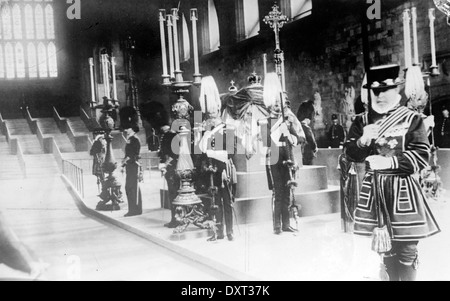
443	130
336	133
392	140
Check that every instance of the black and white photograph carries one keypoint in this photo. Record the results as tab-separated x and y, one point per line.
204	142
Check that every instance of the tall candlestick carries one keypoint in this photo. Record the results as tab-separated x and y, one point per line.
113	67
265	63
415	42
162	18
407	38
431	16
170	38
175	39
91	71
194	18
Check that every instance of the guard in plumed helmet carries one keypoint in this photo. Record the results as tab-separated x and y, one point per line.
393	142
217	163
285	133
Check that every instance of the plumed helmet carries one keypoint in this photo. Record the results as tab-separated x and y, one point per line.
272	89
209	97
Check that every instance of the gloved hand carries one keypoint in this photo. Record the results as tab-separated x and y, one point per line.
378	162
370	133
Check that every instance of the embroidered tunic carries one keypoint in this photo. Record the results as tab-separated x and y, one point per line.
402	137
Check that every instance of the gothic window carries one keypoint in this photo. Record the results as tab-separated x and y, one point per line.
27	40
32	62
2	63
214	36
296	9
42	60
186	40
247	19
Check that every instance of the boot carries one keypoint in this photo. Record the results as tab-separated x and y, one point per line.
407	272
391	263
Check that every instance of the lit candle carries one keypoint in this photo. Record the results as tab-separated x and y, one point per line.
113	65
194	19
91	69
175	39
265	63
169	32
162	18
407	38
431	16
415	42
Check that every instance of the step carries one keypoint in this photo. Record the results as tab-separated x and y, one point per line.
41	165
48	126
30	144
5	149
18	127
252	210
77	125
254	184
63	142
10	168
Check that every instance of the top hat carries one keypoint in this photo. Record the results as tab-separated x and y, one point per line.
444	108
382	77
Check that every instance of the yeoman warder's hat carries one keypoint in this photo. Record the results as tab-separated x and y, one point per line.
382	77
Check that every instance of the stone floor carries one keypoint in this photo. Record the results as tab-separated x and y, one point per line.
319	251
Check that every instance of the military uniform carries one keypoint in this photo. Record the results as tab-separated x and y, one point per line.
278	175
336	136
214	145
402	138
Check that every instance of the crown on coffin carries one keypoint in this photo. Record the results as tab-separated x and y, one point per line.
254	78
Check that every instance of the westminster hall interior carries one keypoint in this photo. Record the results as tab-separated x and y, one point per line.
111	167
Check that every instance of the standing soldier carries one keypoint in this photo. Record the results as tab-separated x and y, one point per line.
286	133
336	134
218	162
393	142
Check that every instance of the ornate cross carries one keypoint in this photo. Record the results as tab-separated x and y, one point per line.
275	19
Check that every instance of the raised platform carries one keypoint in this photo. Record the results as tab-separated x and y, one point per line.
253	201
253	210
